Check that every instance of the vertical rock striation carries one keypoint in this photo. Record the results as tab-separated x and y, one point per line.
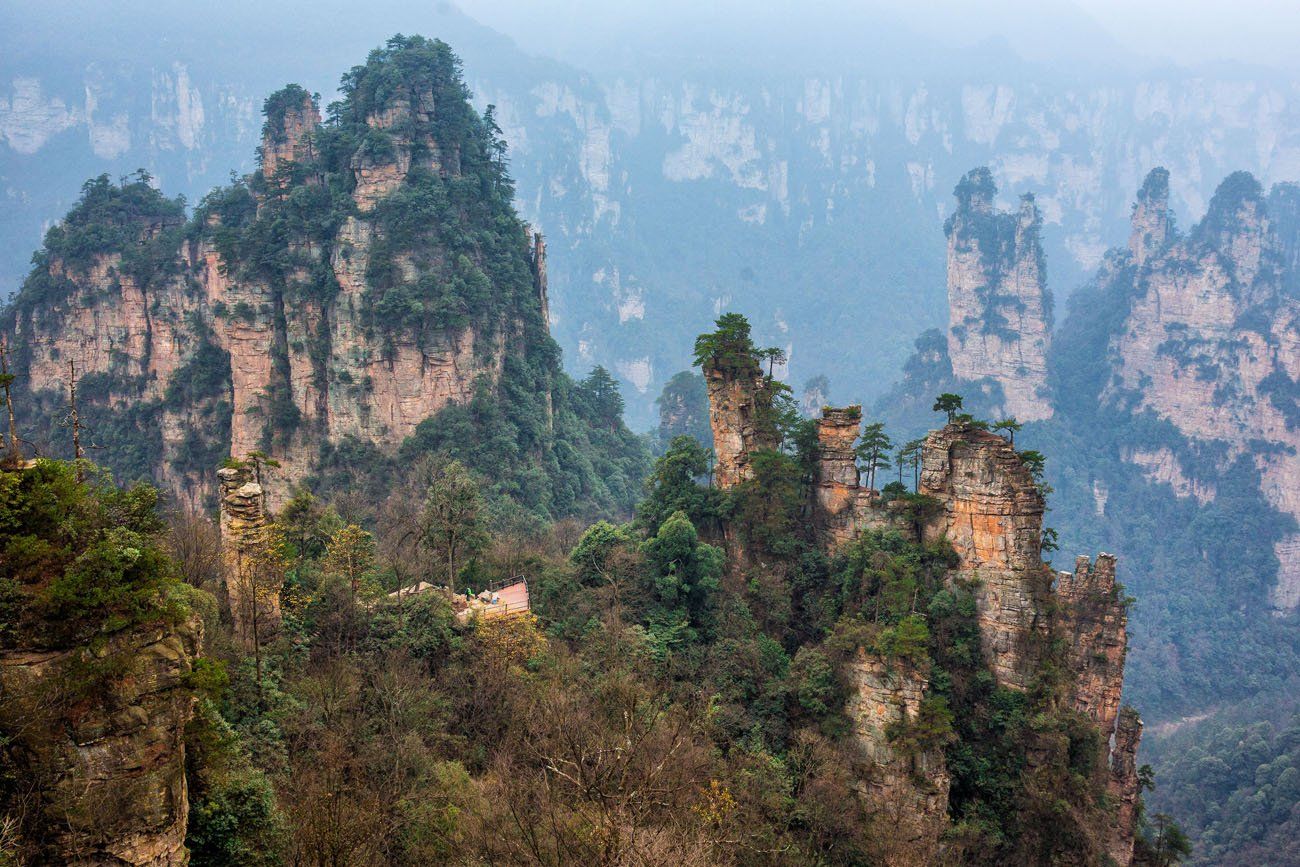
288	137
999	310
841	506
909	793
1211	342
347	290
1152	224
978	495
738	402
1123	786
1094	620
991	512
254	606
111	772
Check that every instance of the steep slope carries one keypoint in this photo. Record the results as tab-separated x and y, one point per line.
1171	387
97	649
667	190
1046	643
370	275
999	309
1212	345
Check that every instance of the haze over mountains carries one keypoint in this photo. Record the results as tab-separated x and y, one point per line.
682	162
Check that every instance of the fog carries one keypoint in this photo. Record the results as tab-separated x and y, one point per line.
1097	32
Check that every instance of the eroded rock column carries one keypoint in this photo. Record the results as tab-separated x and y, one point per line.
991	512
737	401
1094	620
907	792
253	594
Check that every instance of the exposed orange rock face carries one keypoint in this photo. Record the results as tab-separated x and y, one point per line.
118	791
254	598
306	367
909	793
998	308
992	514
1212	344
1094	619
989	508
736	402
841	506
1123	786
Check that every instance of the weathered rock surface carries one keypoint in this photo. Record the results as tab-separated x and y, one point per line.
254	601
991	512
985	502
309	361
1093	619
737	400
908	793
1123	786
111	765
999	310
1211	343
291	140
841	505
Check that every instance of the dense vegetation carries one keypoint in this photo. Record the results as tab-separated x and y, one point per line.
1203	636
662	702
446	252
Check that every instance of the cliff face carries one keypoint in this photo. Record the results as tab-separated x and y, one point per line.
112	770
977	494
841	505
341	292
253	597
991	512
1095	620
999	311
1211	343
910	793
737	403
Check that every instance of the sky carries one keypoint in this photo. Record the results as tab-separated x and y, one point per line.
1186	32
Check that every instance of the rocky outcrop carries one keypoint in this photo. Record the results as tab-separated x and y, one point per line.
109	765
738	402
841	505
1211	343
999	310
1093	617
1152	224
991	511
252	589
908	793
1123	786
290	314
977	494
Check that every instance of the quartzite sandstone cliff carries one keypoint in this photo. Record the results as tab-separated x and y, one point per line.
999	309
1211	343
981	497
109	768
340	294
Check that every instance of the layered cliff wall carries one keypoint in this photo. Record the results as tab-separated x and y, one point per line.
999	309
739	405
1211	343
1063	647
991	512
356	285
97	644
909	793
111	773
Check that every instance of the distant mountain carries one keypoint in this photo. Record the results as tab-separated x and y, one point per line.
807	189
